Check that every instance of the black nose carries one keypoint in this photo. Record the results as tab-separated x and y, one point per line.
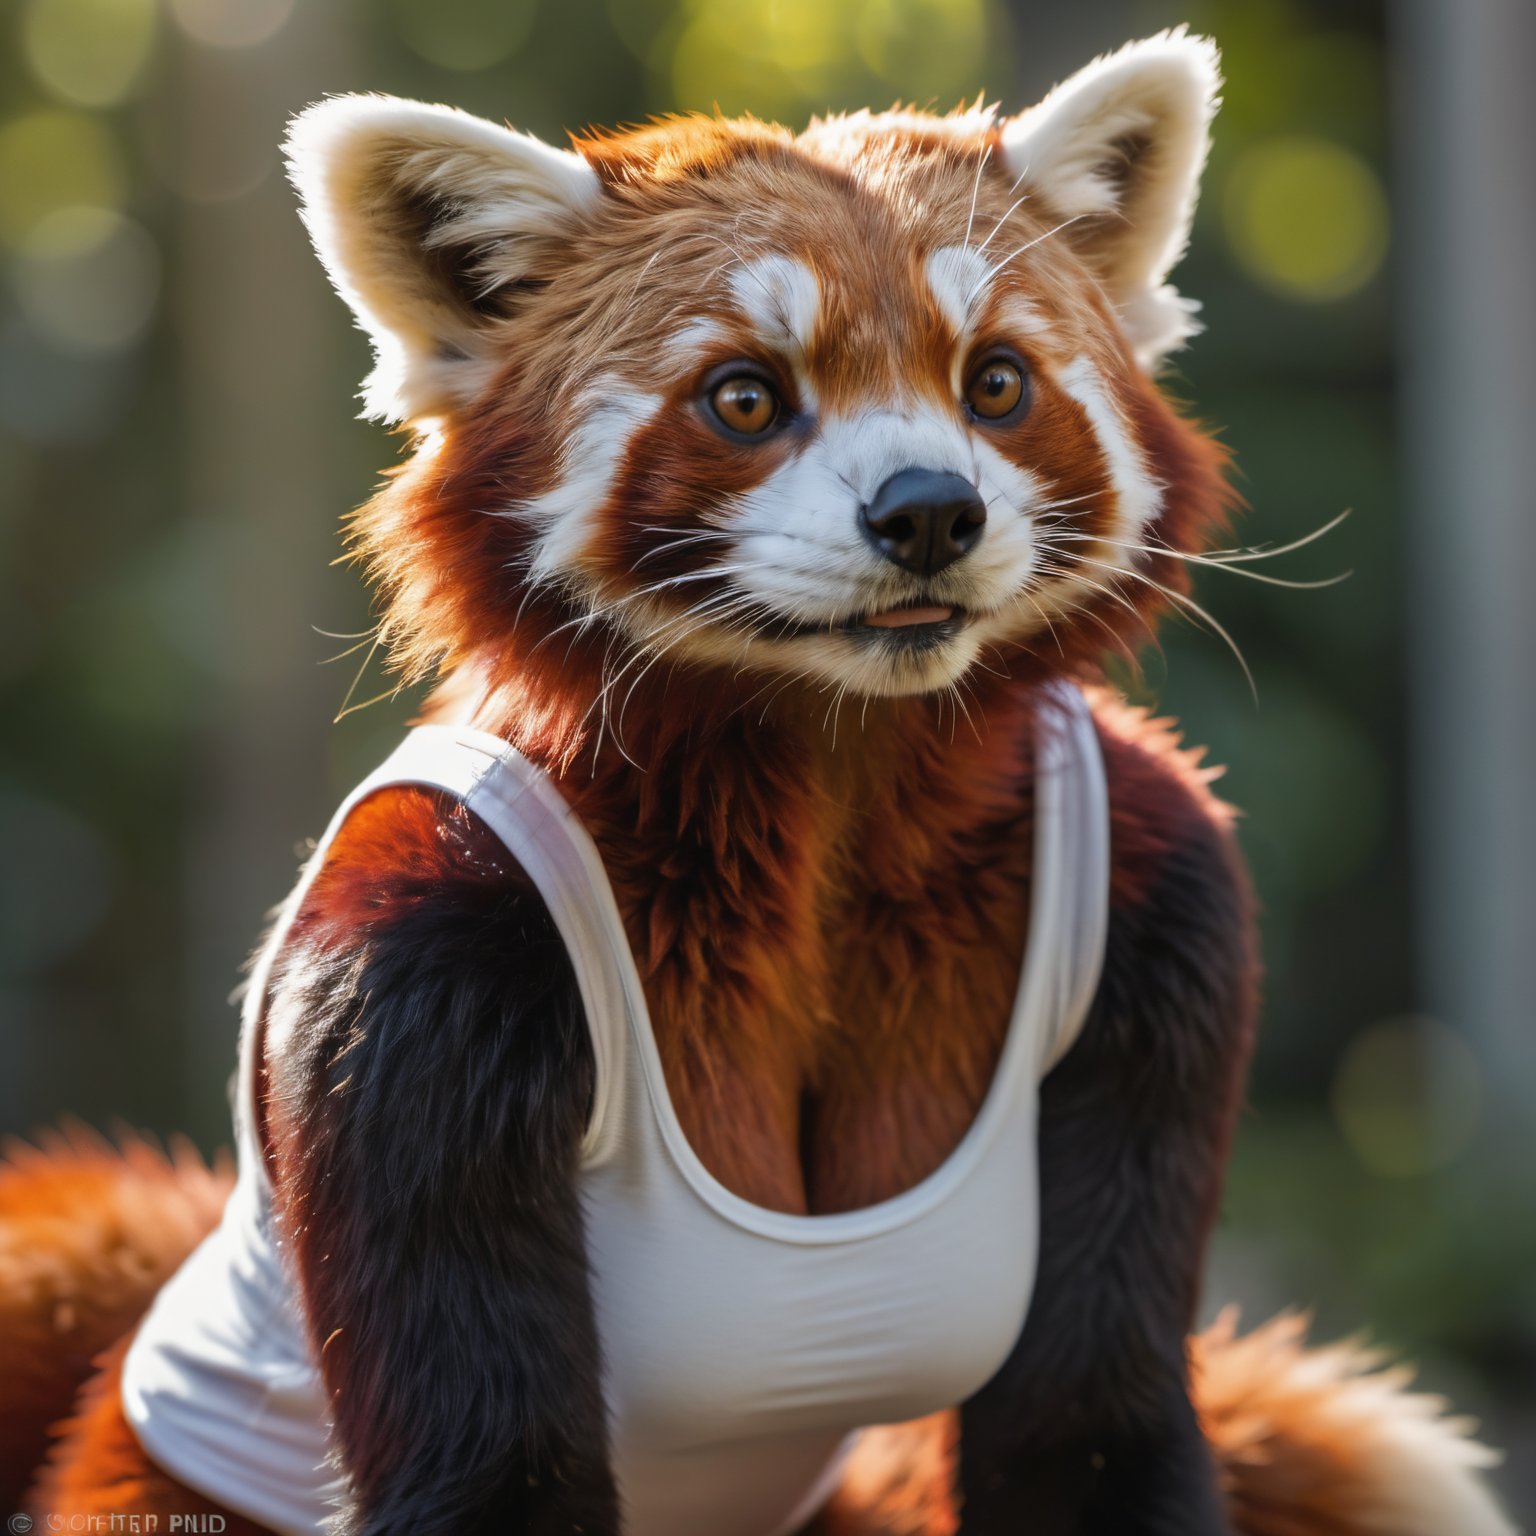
924	520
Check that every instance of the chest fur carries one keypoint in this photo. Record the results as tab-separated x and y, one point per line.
830	960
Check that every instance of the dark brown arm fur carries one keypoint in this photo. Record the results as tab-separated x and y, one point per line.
426	1108
1088	1428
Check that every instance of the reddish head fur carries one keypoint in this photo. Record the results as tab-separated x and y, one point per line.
648	303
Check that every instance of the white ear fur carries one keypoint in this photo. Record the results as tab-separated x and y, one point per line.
420	215
1118	149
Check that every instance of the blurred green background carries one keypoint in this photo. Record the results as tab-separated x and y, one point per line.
177	443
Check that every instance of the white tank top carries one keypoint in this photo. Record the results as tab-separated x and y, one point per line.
743	1348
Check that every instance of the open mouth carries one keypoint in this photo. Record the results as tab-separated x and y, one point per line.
906	618
910	624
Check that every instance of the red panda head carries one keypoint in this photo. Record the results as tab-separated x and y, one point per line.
869	405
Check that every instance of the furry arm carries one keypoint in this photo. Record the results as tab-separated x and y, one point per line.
427	1091
1089	1427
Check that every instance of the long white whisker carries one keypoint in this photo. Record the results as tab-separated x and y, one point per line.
960	709
1230	567
981	166
607	610
649	658
1187	603
645	650
993	271
1012	209
1268	552
702	536
347	706
1004	674
1085	611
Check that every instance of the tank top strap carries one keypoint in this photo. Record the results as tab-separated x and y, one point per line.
1071	793
517	802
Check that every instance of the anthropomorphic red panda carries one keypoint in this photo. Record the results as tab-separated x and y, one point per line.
761	1058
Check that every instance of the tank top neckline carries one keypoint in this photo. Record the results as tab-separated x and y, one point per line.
1054	750
427	751
738	1345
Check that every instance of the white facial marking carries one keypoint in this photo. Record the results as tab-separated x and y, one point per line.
564	514
872	445
782	299
682	348
1137	495
800	546
1012	496
1015	313
800	532
957	277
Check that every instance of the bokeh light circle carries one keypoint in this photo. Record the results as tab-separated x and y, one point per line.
51	160
798	56
231	23
464	34
90	53
930	50
1408	1096
1307	217
88	279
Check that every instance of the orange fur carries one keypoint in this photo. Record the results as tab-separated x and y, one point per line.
89	1232
776	979
744	851
99	1471
1150	768
1326	1442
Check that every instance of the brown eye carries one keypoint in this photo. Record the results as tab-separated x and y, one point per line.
996	389
745	405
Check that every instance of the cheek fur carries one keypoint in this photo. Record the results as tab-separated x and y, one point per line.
567	519
1138	495
668	516
1005	559
1142	478
1198	502
1043	479
780	299
451	573
643	503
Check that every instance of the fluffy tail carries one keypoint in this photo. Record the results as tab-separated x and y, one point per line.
1310	1442
89	1231
1327	1442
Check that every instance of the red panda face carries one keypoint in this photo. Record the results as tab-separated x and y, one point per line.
863	406
846	436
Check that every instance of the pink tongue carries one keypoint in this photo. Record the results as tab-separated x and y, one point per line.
897	618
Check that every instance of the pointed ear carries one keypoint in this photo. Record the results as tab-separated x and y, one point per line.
1118	149
428	220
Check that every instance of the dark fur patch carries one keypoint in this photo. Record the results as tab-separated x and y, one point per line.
1089	1423
426	1117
